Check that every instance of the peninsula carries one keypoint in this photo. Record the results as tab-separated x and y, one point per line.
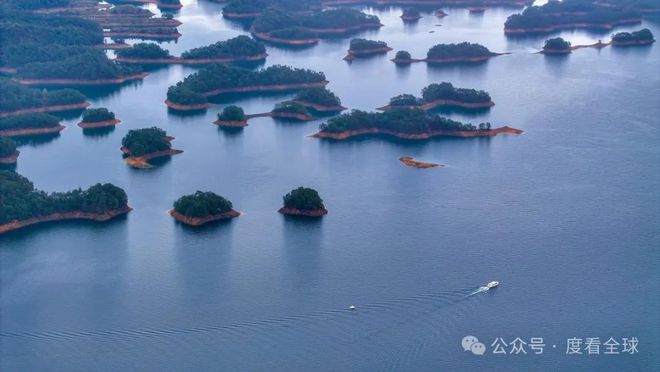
443	94
192	92
18	100
8	152
303	202
410	124
201	208
37	123
22	205
142	145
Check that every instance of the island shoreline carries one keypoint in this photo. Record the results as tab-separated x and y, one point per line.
61	216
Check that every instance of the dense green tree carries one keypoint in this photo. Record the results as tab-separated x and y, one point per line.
411	13
447	91
403	55
319	96
638	36
556	43
88	66
240	46
232	113
364	44
461	50
144	50
29	121
291	108
405	100
7	147
97	114
14	96
146	140
202	204
303	198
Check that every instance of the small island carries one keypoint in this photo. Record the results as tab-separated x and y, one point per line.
22	205
462	52
98	118
141	145
192	92
303	202
405	123
556	46
565	15
37	123
8	152
238	49
320	100
232	117
443	94
411	162
364	48
201	208
411	15
403	57
641	37
17	100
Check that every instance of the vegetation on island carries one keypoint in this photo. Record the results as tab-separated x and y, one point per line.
130	11
240	46
14	97
293	33
14	55
446	91
642	36
557	43
202	204
457	51
232	113
294	108
303	198
143	141
404	100
96	115
19	200
318	96
401	120
7	147
93	65
29	28
364	44
402	55
192	89
411	13
257	6
144	51
555	15
29	121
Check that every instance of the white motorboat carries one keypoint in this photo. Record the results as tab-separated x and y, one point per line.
492	284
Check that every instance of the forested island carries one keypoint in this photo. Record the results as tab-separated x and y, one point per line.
405	123
8	152
240	48
17	99
277	26
232	116
449	53
36	123
142	145
192	92
442	94
411	14
641	37
98	118
249	9
569	14
556	45
303	202
22	205
363	48
320	100
202	207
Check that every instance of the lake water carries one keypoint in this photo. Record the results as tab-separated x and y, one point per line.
565	216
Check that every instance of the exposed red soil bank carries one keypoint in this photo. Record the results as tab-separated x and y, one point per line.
411	162
142	161
99	124
417	136
181	61
444	102
266	37
57	108
197	221
11	159
321	108
231	124
304	212
31	131
120	80
75	215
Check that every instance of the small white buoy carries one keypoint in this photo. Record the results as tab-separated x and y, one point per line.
351	307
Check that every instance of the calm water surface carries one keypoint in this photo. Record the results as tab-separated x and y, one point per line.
566	217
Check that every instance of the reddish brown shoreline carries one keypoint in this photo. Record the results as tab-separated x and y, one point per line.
267	88
142	161
417	136
321	108
266	37
176	106
99	124
231	124
139	35
411	162
31	131
352	54
604	26
303	212
56	108
574	47
281	115
197	221
74	215
11	159
444	102
181	61
82	82
411	18
448	60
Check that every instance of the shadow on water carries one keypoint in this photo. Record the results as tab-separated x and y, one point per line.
186	114
36	140
46	228
230	132
98	132
210	229
303	240
447	110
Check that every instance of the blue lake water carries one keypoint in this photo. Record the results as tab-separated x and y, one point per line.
565	216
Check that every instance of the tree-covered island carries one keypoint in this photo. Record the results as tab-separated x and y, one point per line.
98	118
556	45
192	92
240	48
363	48
404	123
320	100
232	117
16	99
141	145
36	123
461	52
442	94
569	14
303	202
411	15
8	151
202	207
22	205
641	37
250	9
